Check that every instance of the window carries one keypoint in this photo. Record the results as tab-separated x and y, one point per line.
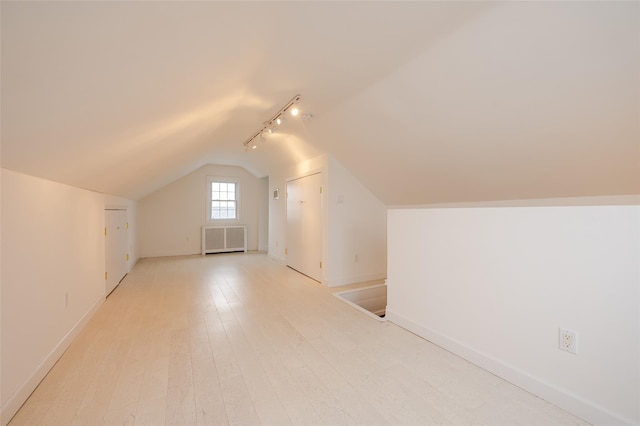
223	198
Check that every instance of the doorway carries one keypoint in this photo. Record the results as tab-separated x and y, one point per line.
304	225
116	252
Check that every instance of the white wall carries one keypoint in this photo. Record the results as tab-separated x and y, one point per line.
357	230
263	215
52	246
494	285
170	219
354	223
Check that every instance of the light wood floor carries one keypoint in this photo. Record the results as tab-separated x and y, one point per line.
241	339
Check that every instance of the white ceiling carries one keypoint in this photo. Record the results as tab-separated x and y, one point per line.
423	101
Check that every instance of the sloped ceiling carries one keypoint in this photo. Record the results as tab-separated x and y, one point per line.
423	101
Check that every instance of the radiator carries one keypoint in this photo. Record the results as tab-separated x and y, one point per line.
219	239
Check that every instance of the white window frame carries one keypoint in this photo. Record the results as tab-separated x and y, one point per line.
223	179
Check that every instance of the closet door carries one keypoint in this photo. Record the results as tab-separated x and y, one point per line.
304	225
116	248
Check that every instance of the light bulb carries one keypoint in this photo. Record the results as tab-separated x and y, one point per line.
278	121
294	111
254	146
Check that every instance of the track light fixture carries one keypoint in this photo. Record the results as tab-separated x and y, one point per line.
275	121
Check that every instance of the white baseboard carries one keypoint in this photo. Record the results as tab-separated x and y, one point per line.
13	404
277	258
566	400
355	279
170	254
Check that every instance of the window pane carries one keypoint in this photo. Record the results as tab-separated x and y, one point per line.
223	200
231	210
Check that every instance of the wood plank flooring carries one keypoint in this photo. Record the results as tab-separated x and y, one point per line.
241	339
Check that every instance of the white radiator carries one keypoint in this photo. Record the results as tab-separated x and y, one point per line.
219	239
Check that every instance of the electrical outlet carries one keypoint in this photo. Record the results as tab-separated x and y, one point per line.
568	341
356	258
66	300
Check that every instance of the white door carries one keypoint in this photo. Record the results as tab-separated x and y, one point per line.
304	225
115	248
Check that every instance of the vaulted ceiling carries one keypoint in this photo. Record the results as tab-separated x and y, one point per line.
424	102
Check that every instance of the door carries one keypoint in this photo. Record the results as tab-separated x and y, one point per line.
304	225
116	243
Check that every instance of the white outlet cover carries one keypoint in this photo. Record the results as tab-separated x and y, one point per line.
568	340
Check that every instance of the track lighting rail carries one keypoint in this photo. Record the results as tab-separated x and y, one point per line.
270	125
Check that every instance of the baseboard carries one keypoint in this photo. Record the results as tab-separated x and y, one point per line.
133	264
277	258
566	400
170	254
13	404
336	282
